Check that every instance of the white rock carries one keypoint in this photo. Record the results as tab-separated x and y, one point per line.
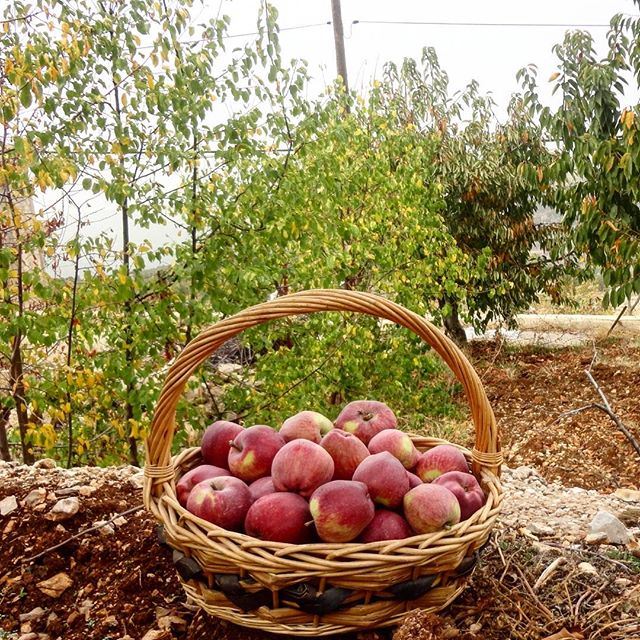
137	480
34	614
105	529
64	509
522	473
119	521
585	567
540	529
35	497
8	505
595	538
228	368
628	495
607	523
45	463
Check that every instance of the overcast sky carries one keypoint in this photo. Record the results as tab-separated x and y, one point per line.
489	54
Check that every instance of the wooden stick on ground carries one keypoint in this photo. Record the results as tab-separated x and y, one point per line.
82	533
606	408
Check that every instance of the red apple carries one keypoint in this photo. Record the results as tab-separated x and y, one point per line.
385	478
301	466
386	525
261	487
365	418
193	477
341	509
431	507
307	425
279	517
414	481
439	460
465	488
252	452
223	501
398	444
215	442
347	452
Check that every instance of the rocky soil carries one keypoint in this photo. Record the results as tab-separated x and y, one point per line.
562	561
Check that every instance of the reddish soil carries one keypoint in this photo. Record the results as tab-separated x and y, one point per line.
530	390
124	584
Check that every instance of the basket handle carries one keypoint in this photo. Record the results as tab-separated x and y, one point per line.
485	455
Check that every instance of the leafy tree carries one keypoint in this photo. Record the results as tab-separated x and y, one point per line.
491	176
596	155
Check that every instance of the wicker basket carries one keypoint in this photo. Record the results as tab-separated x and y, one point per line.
317	589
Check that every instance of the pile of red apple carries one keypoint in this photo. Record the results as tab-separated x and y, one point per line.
358	479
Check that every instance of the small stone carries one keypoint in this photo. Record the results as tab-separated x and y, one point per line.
111	621
8	505
34	614
106	529
522	473
28	636
52	618
595	538
586	567
56	585
86	490
137	480
156	634
35	497
475	627
72	617
11	525
64	509
169	622
607	523
539	529
120	521
622	583
628	495
45	463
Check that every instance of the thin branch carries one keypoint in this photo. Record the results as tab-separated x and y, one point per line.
606	408
83	532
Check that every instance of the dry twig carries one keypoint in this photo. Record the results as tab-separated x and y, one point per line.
82	533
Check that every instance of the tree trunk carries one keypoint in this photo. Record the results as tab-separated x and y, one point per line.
452	325
16	380
5	454
127	306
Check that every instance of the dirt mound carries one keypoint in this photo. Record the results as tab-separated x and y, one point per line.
531	389
117	582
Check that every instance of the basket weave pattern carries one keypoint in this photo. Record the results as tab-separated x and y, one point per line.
321	588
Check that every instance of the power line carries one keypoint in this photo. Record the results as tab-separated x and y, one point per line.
248	33
481	24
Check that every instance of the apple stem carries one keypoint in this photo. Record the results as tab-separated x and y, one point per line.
367	416
234	445
308	524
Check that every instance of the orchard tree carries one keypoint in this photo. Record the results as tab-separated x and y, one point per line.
492	179
594	133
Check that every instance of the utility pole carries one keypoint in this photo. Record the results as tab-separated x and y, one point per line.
338	35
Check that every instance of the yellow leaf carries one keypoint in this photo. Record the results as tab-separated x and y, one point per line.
553	76
122	278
